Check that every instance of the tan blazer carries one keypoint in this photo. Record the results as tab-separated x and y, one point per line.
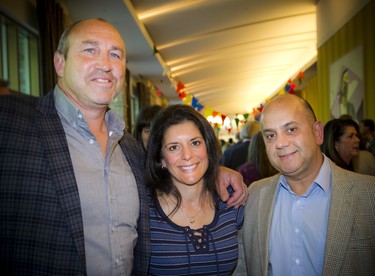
350	244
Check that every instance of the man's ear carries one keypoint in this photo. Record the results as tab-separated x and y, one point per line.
319	132
59	62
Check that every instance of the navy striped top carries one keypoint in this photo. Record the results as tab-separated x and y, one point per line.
180	250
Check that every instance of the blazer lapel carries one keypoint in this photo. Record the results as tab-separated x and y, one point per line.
57	154
340	221
265	212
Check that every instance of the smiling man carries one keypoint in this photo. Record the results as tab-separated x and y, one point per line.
72	192
313	218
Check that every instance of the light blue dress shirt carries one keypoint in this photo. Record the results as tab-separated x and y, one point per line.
299	227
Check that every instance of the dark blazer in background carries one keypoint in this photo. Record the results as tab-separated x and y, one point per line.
41	228
236	155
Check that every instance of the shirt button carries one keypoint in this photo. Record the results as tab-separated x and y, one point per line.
298	261
296	230
80	116
91	141
117	261
110	133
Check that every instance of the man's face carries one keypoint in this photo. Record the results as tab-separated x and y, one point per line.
94	71
291	137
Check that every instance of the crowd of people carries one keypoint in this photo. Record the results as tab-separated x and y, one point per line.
236	155
81	196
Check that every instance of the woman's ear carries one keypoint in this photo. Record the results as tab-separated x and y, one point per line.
336	147
163	163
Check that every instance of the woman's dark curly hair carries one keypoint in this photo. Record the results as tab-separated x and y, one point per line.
160	179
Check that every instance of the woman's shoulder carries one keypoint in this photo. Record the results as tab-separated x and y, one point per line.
224	213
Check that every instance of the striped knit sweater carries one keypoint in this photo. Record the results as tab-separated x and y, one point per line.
180	250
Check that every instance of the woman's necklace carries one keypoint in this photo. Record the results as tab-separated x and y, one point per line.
192	219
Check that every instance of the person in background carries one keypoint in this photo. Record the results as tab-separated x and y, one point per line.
192	231
341	145
142	126
315	218
257	166
340	142
361	140
236	155
226	145
72	195
222	144
346	117
367	131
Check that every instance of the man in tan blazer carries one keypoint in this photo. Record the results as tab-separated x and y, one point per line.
313	218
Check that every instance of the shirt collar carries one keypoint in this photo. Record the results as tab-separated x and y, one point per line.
72	114
324	177
323	180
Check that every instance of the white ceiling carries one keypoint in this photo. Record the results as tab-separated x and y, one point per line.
230	54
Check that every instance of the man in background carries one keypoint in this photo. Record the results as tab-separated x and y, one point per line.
366	130
236	155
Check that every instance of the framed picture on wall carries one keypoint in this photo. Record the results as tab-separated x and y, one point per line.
347	85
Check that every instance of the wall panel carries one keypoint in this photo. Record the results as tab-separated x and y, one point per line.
358	31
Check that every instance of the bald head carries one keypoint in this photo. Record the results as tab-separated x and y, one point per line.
284	101
63	45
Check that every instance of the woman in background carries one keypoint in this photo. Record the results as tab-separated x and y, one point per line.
257	166
341	145
142	126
